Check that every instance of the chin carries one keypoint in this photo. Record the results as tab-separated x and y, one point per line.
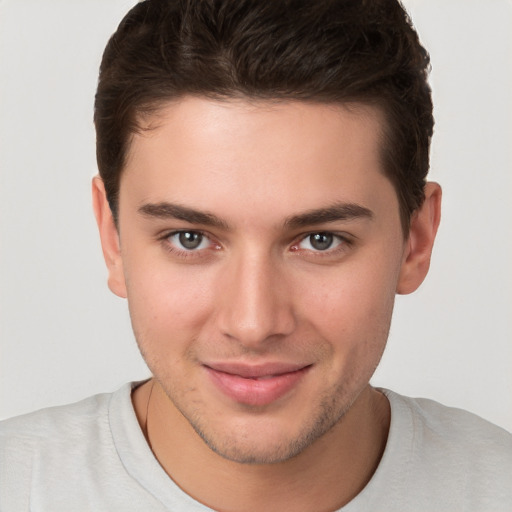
255	450
267	440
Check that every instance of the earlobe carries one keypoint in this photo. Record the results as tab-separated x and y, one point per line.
422	233
109	238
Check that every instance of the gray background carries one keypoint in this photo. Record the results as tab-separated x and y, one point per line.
64	336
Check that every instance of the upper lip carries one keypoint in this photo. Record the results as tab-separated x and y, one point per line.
256	370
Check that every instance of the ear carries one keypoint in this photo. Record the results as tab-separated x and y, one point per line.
418	249
109	238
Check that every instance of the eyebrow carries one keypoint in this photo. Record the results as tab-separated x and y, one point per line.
333	213
166	210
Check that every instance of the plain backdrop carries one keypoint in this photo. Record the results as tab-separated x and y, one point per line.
64	336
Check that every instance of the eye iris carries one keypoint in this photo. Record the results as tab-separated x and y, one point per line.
321	241
190	240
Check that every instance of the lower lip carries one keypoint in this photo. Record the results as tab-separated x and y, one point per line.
256	392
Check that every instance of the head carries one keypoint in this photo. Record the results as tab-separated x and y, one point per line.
326	51
262	199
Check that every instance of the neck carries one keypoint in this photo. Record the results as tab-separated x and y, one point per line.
325	476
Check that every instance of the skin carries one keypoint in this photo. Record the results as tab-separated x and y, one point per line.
258	290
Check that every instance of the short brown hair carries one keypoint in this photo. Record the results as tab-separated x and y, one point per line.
339	51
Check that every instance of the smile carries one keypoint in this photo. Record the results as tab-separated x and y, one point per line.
256	385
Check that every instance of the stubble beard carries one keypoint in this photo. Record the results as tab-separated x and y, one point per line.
247	450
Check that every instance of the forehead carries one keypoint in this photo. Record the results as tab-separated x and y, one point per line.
267	154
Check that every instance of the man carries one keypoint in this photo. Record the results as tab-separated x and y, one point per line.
261	200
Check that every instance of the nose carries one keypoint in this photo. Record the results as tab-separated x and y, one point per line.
255	307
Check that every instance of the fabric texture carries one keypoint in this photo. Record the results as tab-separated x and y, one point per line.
92	455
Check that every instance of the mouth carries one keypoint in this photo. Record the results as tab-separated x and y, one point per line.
256	385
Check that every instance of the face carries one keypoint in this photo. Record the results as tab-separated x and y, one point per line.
260	251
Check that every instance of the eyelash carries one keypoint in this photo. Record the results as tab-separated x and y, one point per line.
344	244
184	253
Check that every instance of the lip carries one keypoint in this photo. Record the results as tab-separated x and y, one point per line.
256	385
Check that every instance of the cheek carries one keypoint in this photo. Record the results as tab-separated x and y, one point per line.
167	314
167	302
351	296
352	305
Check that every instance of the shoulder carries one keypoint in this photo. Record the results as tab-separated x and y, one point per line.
439	458
455	450
57	422
457	428
63	454
54	435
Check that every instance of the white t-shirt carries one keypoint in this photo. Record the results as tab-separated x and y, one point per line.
92	456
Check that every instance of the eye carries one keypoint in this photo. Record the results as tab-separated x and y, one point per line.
189	240
321	241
